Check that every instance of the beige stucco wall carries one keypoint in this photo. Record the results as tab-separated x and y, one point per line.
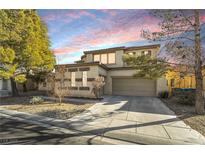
102	71
92	73
88	58
161	85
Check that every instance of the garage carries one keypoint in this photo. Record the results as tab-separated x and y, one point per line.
133	87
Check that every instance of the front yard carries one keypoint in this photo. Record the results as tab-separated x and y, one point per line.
187	114
51	109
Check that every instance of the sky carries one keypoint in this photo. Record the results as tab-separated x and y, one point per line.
73	31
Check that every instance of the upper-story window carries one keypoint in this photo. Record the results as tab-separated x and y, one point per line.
147	52
111	58
97	57
105	58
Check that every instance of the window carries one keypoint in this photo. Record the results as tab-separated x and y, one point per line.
104	58
72	79
149	53
84	78
146	53
97	58
111	58
44	84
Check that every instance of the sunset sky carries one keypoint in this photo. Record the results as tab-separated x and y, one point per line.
73	31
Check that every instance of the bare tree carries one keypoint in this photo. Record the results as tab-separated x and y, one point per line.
61	89
97	84
180	29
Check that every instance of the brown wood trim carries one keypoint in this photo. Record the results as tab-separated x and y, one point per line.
69	66
78	79
90	79
84	88
73	88
84	69
104	50
142	47
122	68
72	69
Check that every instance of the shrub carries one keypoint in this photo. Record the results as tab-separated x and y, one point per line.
185	97
36	100
163	94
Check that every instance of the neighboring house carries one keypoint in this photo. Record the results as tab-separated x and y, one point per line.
5	87
117	75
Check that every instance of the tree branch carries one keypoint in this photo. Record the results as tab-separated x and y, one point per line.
186	18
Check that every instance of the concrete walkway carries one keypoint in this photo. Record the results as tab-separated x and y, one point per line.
123	120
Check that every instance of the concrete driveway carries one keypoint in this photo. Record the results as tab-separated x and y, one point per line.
142	120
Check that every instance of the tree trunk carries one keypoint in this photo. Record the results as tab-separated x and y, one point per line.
59	101
14	87
25	87
199	106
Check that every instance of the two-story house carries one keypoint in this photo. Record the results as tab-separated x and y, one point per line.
118	76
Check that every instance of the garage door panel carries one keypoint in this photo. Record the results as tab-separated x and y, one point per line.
134	87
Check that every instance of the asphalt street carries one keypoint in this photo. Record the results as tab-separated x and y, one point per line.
18	132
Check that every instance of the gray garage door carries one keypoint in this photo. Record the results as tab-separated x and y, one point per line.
133	87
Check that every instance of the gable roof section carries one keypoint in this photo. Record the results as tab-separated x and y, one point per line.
123	48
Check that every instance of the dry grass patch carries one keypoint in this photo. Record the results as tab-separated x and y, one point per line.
47	108
195	121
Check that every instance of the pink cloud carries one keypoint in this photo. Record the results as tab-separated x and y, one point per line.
64	50
119	30
202	19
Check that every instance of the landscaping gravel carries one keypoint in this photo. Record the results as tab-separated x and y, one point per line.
47	108
187	114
